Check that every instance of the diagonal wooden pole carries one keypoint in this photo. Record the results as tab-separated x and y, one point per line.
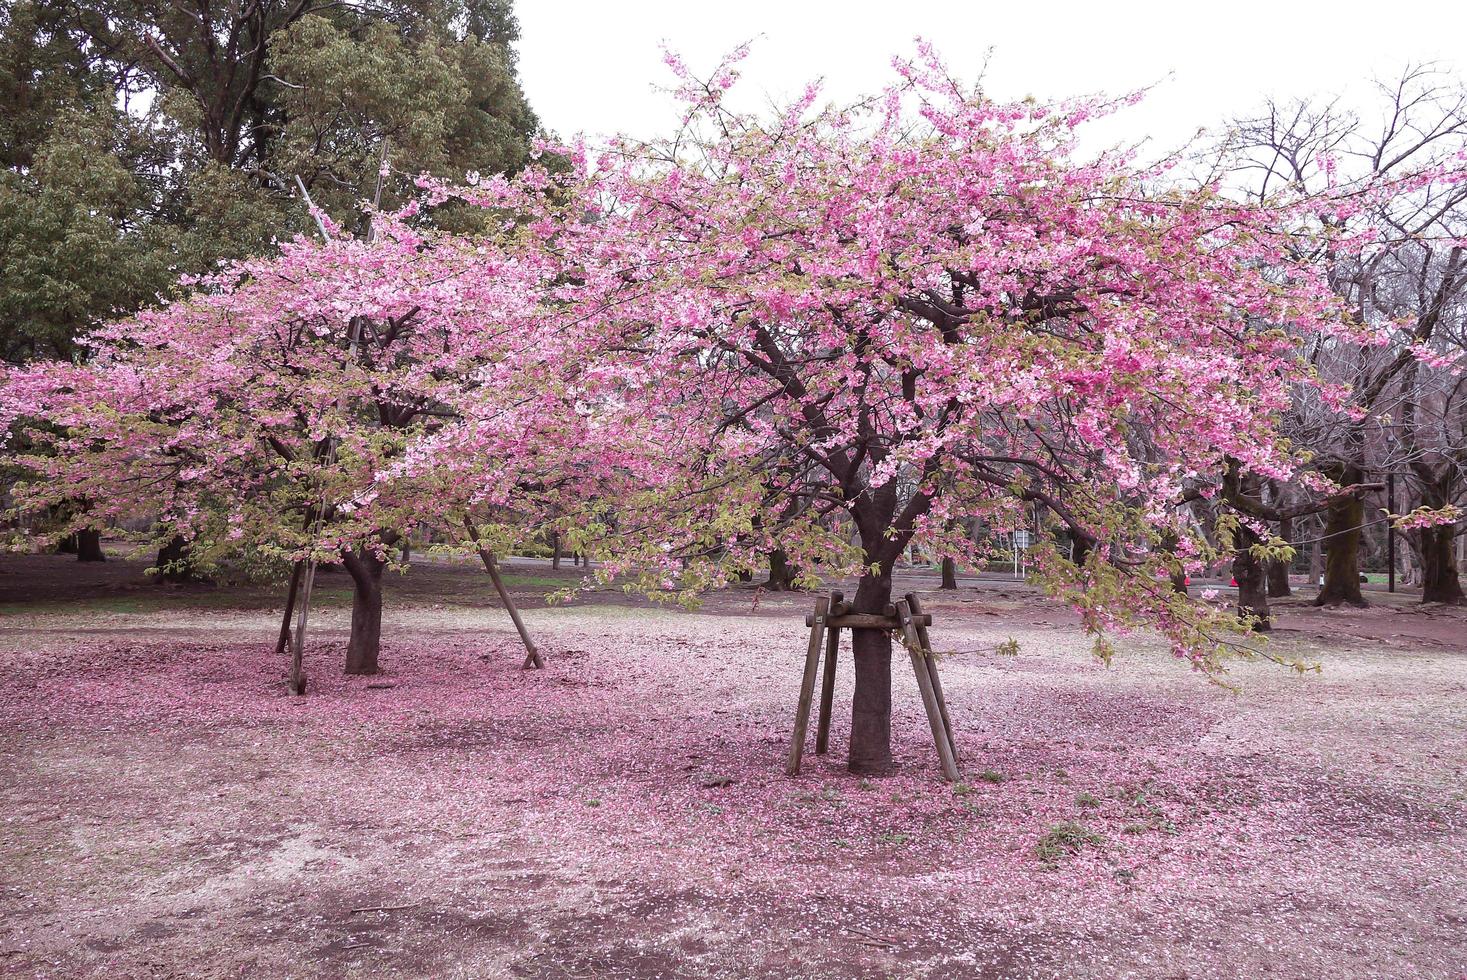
283	640
807	686
328	455
929	699
930	658
532	655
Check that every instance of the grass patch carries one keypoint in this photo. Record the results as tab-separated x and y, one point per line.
992	776
1063	840
535	581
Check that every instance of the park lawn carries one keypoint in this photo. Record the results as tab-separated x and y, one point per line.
171	811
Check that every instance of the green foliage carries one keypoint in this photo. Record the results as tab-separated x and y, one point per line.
356	94
144	140
70	251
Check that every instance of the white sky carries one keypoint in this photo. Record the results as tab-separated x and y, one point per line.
590	66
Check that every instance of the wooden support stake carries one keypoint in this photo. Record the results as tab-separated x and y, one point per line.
295	585
297	658
532	655
929	699
827	681
807	686
866	621
326	452
931	658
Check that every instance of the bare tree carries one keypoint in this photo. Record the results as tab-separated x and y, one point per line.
1407	282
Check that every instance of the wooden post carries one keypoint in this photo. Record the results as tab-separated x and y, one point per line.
532	655
295	585
328	453
297	658
929	698
827	682
930	659
1391	533
807	686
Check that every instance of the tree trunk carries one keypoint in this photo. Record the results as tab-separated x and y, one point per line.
89	545
1179	582
365	644
781	572
1178	574
1252	595
1439	579
1278	570
870	752
67	545
173	564
1342	522
949	574
555	551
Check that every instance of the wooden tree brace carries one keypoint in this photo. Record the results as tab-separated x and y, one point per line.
931	658
906	617
807	685
867	621
532	655
924	668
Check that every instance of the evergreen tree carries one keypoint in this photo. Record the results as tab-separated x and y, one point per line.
150	139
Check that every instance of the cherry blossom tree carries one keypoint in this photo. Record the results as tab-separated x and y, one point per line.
932	309
276	408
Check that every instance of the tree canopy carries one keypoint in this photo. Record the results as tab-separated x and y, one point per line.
145	140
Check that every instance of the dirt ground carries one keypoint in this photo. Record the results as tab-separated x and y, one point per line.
168	810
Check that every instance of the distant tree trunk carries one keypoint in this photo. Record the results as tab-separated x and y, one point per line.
1178	575
1439	579
89	545
781	572
949	574
1342	522
555	551
1249	573
407	549
870	752
1278	569
67	545
173	563
365	644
